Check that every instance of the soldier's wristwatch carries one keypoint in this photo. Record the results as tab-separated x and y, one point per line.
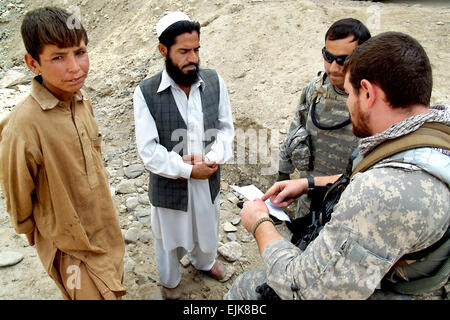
310	184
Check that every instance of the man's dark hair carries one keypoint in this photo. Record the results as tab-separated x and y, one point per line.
397	63
167	38
343	28
51	25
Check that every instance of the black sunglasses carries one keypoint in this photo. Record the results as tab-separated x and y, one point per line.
329	57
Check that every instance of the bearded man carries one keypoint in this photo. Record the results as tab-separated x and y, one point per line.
184	131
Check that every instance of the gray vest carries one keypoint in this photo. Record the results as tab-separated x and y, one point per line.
331	149
173	193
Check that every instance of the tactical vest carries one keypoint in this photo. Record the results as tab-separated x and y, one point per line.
173	193
328	123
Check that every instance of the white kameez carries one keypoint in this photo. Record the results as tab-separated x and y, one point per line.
199	225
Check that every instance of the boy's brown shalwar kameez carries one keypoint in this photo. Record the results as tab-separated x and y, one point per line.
55	185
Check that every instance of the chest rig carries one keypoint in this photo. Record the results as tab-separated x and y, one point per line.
329	127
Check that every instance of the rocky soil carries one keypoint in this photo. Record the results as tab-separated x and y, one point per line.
266	51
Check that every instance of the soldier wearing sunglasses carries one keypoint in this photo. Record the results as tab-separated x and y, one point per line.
320	139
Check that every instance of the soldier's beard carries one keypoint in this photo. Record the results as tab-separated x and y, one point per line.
339	84
360	122
184	79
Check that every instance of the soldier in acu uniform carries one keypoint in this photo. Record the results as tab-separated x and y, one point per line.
391	212
320	138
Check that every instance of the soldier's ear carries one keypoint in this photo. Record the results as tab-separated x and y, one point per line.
369	91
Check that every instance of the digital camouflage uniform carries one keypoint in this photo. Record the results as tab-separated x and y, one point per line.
329	149
384	213
312	150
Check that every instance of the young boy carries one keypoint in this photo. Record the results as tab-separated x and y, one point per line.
51	169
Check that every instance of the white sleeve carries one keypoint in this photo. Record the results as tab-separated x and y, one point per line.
156	157
222	148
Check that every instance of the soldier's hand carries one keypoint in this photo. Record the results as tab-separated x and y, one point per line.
204	170
283	193
252	211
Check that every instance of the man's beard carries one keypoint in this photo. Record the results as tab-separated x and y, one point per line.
359	123
178	76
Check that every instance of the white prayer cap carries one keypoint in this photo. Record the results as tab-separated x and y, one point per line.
169	19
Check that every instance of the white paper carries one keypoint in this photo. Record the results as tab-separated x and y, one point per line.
251	193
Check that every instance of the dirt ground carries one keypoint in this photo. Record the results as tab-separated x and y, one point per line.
266	51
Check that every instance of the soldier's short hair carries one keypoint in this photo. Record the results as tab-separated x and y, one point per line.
343	28
397	63
167	38
50	25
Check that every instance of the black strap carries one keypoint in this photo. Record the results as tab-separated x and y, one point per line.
318	125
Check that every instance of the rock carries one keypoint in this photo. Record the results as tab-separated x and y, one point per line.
185	262
144	217
134	171
136	224
129	264
132	235
4	18
115	164
12	78
236	221
139	183
241	75
228	273
145	237
231	236
140	268
143	199
10	258
246	237
122	208
231	251
125	187
132	203
224	186
228	227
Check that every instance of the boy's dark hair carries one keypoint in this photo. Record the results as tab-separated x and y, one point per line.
51	25
343	28
397	63
167	38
